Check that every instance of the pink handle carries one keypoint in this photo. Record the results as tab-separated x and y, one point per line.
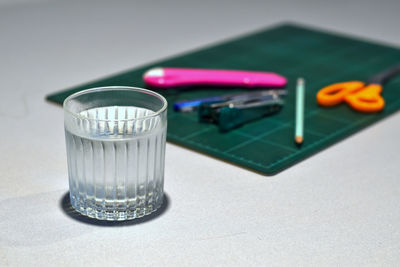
177	77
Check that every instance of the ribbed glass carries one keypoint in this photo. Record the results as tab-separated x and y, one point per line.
115	138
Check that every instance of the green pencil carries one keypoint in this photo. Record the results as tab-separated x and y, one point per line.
300	91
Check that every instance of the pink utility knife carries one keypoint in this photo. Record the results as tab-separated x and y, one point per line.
177	77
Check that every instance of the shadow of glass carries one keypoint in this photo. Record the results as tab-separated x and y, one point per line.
66	207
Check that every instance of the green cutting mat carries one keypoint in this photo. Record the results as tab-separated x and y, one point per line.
267	145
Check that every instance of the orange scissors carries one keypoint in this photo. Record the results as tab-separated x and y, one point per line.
363	97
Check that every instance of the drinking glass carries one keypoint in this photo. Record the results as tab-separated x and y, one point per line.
115	139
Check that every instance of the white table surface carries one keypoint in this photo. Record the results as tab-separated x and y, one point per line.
339	207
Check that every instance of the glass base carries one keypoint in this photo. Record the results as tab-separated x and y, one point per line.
114	211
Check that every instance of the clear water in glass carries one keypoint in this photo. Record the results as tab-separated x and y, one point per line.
116	163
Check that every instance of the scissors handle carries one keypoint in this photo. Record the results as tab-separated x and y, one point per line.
367	100
361	97
334	94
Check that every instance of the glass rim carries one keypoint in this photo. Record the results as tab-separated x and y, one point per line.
120	88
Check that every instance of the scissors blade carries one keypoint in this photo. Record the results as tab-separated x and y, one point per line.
384	76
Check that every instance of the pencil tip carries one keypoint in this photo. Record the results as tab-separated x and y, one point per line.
299	140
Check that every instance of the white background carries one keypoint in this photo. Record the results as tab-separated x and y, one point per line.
339	207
